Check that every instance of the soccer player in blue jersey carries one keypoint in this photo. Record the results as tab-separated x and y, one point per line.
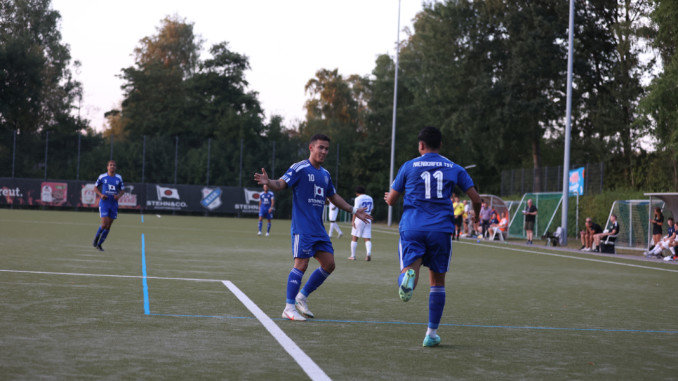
109	187
311	185
427	223
266	208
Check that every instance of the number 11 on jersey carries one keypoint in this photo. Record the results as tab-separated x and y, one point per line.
438	176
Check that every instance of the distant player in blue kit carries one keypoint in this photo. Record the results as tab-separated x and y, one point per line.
109	188
266	208
311	185
427	223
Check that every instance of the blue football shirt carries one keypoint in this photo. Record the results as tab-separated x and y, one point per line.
110	186
266	198
428	182
310	187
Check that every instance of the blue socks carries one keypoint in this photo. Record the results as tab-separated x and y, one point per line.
400	278
96	237
293	285
268	228
104	234
314	281
436	304
260	222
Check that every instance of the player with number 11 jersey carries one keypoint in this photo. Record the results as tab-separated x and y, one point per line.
428	181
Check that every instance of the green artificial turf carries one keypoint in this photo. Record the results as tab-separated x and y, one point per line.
69	311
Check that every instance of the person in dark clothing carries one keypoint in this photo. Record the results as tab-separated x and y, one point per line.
587	234
657	223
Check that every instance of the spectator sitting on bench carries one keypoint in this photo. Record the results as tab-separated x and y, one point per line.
673	247
587	234
612	229
501	225
665	243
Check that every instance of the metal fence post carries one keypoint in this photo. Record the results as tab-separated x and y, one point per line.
77	167
209	149
273	162
143	161
46	148
13	152
176	157
240	173
336	184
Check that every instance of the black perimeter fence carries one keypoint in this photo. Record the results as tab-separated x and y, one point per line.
549	179
163	160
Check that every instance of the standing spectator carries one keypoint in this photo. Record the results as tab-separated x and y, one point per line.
465	217
458	216
612	229
657	223
530	213
485	215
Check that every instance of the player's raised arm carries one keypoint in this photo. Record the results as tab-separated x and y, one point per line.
274	185
343	205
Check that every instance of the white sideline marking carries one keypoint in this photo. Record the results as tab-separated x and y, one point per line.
569	256
306	363
108	275
551	254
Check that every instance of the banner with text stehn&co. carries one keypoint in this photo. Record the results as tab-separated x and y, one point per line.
81	194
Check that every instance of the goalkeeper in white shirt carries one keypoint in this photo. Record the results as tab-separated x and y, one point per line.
360	228
334	212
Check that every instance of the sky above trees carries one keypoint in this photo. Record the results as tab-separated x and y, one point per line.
286	42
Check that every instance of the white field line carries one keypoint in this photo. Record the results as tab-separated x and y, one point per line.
550	254
306	363
108	275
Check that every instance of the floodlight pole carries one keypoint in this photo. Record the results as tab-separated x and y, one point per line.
568	129
393	124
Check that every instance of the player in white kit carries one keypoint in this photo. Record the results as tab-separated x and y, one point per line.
362	229
334	212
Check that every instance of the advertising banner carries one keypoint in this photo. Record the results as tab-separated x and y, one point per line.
576	186
81	194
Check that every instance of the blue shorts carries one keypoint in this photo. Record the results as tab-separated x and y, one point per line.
435	249
108	209
263	212
305	246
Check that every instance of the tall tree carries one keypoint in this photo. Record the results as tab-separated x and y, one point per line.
661	101
37	89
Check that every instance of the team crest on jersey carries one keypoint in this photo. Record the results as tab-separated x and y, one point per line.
318	191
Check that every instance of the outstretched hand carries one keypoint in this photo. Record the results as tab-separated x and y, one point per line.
362	215
261	178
